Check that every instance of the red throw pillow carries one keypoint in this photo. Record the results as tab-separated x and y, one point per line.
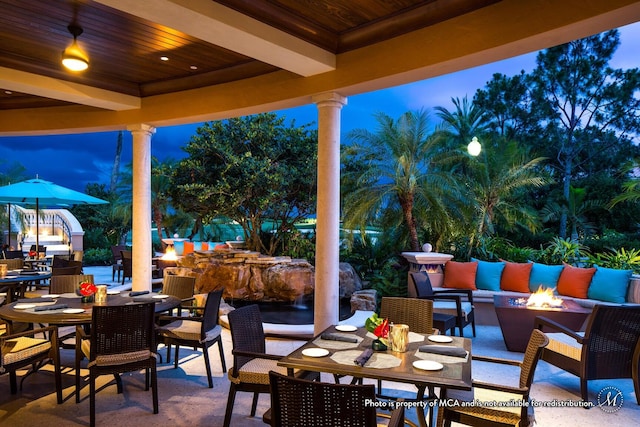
515	276
575	281
188	248
460	275
205	246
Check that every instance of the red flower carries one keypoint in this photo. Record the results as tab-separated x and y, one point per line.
87	289
32	254
382	330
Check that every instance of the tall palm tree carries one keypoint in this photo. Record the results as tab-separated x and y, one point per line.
401	167
467	121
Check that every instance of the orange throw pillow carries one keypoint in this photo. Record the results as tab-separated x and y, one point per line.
188	248
515	276
460	275
205	246
575	281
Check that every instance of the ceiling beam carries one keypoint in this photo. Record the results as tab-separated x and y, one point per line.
224	27
48	87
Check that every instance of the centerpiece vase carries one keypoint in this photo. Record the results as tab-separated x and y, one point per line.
87	298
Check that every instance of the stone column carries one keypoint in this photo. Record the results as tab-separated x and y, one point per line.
326	297
141	209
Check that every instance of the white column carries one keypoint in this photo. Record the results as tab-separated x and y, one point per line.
326	296
141	210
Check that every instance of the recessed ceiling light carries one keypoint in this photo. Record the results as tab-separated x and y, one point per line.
164	58
194	67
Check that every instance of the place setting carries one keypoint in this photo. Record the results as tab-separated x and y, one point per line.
338	340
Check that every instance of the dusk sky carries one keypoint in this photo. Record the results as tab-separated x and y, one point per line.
75	160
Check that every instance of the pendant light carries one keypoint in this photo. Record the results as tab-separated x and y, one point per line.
73	57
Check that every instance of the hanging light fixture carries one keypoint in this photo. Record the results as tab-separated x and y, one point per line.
474	147
73	57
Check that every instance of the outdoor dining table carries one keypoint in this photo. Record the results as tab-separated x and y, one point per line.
17	280
76	312
433	370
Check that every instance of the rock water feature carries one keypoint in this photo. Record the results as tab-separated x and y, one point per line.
248	276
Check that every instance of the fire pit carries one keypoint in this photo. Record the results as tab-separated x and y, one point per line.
516	316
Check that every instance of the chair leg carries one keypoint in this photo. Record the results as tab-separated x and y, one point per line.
154	387
205	354
168	352
92	400
230	401
13	380
584	391
224	363
118	383
254	404
175	357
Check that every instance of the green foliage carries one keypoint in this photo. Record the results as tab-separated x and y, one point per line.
560	251
97	256
390	280
299	245
620	259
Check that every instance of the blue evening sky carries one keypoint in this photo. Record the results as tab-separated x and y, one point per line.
75	160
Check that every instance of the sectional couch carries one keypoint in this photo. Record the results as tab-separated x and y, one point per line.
586	286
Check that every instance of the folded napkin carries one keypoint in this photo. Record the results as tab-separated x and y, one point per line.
137	293
29	273
336	337
143	299
35	300
50	307
364	357
444	350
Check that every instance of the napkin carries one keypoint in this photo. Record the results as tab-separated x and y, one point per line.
29	273
35	300
364	357
143	299
335	337
50	307
137	293
444	350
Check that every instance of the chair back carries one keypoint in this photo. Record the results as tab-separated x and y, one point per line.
537	342
421	284
68	283
66	271
127	264
247	334
78	256
179	286
13	263
300	402
611	337
210	315
125	330
60	261
417	313
115	252
12	254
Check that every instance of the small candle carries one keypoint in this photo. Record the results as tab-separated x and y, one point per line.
101	294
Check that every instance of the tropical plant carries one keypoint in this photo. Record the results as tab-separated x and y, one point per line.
401	168
621	259
561	250
576	208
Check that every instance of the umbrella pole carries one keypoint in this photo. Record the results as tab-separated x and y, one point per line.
37	229
8	225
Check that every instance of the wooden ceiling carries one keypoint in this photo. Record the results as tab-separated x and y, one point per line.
230	57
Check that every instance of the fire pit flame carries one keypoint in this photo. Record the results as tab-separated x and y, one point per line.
544	298
170	254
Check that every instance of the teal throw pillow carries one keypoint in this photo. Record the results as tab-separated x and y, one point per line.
544	275
488	275
609	284
197	246
179	247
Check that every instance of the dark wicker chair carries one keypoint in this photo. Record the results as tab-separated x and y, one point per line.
180	287
197	332
251	363
456	302
127	265
477	415
71	270
122	340
299	402
20	350
68	283
609	347
116	261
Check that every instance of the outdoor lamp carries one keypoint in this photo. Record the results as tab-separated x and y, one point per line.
73	57
474	147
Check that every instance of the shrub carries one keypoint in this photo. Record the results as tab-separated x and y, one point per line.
620	259
99	256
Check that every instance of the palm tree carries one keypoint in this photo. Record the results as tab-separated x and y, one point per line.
576	208
467	121
399	168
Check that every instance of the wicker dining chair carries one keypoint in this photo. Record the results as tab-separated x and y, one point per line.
122	339
456	302
609	347
66	284
197	332
251	363
180	287
127	265
460	411
21	350
299	402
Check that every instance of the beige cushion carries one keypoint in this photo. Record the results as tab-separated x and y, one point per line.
188	330
565	345
449	307
256	371
22	348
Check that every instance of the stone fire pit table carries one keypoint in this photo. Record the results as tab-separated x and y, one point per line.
517	320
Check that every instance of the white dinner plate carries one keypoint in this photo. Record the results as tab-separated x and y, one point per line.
51	296
160	296
439	338
315	352
346	328
427	365
113	292
10	277
23	306
73	310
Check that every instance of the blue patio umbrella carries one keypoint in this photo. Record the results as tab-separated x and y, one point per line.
40	192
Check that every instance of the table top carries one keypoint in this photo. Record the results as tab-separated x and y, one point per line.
456	372
58	317
18	276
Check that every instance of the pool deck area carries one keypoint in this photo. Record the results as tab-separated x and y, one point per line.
185	398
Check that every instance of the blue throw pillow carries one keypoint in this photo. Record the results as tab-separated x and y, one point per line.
488	275
544	275
179	247
197	246
609	284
